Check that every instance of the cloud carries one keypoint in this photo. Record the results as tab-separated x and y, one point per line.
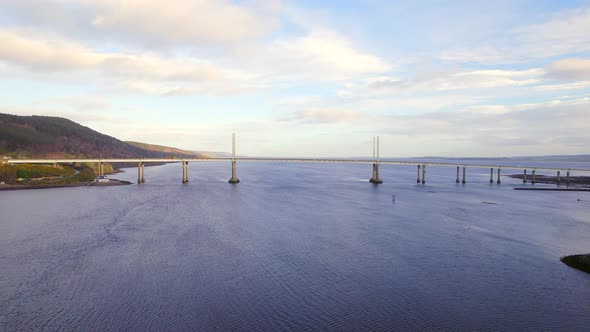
565	32
570	69
154	23
322	116
462	80
55	55
325	55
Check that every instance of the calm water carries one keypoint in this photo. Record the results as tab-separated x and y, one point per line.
293	247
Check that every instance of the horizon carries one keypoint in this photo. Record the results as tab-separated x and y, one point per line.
503	80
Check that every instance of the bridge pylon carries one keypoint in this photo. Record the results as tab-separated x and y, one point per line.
234	178
375	179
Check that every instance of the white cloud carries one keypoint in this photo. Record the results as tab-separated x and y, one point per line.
563	33
54	55
184	21
570	69
323	116
324	55
154	23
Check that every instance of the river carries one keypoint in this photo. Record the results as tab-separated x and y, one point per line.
294	247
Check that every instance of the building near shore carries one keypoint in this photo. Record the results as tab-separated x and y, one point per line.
101	178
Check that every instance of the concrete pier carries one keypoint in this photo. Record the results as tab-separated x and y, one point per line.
567	177
558	177
184	171
492	175
524	177
533	177
234	177
457	181
140	172
375	178
464	175
499	181
423	173
418	176
100	169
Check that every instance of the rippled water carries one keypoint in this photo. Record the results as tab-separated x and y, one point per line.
293	247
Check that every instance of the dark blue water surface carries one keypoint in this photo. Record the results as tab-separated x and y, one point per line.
293	247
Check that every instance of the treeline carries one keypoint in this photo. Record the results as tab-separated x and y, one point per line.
10	174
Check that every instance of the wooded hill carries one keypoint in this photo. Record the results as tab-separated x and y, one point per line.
54	137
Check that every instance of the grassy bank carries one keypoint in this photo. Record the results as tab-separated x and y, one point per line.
30	175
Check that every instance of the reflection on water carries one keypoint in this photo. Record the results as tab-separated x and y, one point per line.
296	247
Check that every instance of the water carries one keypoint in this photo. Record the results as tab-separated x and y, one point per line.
293	247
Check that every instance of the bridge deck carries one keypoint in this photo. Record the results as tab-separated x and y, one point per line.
286	160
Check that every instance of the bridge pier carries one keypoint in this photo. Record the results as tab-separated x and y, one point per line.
492	175
234	178
558	177
464	176
140	172
184	171
375	178
418	176
100	168
567	178
423	173
524	177
499	170
457	181
533	178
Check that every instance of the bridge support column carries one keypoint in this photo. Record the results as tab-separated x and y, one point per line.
184	171
524	177
464	175
457	181
499	181
234	177
100	168
418	176
558	177
375	178
423	173
567	178
140	172
492	175
533	178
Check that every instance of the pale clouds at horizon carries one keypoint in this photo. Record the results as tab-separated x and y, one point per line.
301	79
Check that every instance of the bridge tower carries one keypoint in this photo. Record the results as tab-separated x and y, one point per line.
375	179
184	171
234	177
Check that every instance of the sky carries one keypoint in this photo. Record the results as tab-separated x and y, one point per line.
307	78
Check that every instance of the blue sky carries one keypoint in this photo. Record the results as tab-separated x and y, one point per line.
307	78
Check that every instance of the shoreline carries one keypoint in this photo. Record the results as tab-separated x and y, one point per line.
574	182
111	183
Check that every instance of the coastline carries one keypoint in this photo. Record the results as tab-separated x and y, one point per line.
112	182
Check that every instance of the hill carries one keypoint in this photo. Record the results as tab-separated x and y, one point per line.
54	137
169	151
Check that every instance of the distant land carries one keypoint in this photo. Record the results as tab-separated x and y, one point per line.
55	137
570	158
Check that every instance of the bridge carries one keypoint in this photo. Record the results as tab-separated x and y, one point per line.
375	161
